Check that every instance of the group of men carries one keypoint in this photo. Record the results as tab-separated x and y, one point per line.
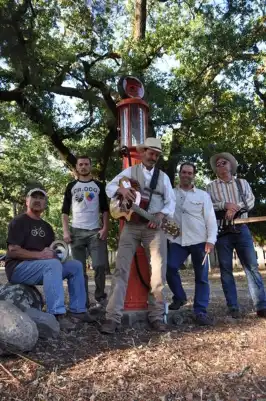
31	261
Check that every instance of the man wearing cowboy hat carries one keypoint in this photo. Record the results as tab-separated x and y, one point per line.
232	195
161	203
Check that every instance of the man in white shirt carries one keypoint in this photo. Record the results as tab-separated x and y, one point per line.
195	215
148	234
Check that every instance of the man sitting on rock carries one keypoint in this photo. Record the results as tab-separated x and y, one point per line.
30	261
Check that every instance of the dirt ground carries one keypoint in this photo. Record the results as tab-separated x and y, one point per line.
188	363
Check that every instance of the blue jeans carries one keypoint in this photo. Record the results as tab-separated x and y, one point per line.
50	273
177	255
243	244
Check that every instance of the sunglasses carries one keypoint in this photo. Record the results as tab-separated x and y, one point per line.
221	164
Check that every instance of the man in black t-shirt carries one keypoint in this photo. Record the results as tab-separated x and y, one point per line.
87	199
30	261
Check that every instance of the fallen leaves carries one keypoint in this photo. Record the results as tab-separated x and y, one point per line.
189	363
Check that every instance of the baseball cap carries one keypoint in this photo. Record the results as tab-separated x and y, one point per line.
34	190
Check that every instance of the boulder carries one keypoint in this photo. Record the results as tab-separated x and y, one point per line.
47	324
17	329
22	296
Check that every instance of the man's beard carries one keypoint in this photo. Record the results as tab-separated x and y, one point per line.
187	182
36	209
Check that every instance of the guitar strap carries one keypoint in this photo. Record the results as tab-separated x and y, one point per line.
241	193
153	184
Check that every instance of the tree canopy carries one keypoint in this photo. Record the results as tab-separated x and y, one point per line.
202	64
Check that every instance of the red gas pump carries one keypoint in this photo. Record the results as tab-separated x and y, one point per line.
133	126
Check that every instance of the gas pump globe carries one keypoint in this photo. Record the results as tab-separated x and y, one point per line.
133	126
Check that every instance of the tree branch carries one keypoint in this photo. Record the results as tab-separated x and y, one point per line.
48	128
59	79
109	55
107	150
105	90
83	94
73	132
261	95
174	156
10	96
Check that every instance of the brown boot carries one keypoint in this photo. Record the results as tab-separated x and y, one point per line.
84	317
261	313
109	327
65	323
159	326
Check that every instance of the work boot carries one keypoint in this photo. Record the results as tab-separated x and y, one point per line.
109	327
100	304
234	313
65	323
202	319
84	317
261	313
159	326
175	305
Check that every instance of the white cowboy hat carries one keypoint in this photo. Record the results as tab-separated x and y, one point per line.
224	155
150	143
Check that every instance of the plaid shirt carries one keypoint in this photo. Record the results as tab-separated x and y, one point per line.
222	192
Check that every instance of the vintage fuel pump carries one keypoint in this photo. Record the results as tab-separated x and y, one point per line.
133	125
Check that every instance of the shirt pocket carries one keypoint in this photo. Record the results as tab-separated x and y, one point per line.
195	206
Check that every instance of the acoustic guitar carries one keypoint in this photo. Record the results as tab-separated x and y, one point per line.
120	208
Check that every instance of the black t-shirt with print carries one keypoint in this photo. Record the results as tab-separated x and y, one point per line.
28	233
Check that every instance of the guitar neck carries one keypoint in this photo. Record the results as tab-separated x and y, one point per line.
255	219
142	212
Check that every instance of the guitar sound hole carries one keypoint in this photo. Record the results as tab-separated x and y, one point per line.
128	205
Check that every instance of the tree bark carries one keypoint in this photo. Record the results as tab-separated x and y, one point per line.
107	150
174	157
140	19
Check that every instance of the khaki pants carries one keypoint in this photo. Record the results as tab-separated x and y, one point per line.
154	243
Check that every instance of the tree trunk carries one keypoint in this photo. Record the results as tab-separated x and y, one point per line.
15	209
140	19
174	157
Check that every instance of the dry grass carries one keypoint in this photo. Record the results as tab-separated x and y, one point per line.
226	362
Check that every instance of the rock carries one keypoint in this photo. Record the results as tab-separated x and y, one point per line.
22	296
17	329
47	324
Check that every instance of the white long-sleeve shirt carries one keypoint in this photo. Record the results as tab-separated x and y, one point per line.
195	216
169	197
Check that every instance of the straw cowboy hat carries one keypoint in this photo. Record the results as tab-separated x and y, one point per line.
150	143
224	155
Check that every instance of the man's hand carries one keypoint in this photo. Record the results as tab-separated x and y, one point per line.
230	214
231	206
67	237
128	194
47	253
103	233
208	247
158	219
